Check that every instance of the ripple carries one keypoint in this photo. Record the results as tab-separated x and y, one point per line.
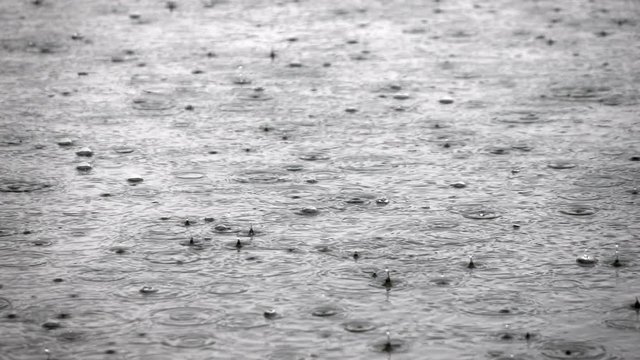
581	92
522	117
4	303
22	259
367	162
172	257
578	210
244	321
580	195
623	324
506	304
185	316
22	186
190	340
565	284
561	164
151	103
261	177
155	290
189	175
358	326
248	94
440	224
576	350
7	232
326	311
195	187
596	180
475	211
314	156
391	346
226	288
76	313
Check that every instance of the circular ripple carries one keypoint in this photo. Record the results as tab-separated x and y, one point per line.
522	117
391	346
22	259
578	210
151	103
313	156
565	284
261	177
4	303
580	92
326	310
575	350
623	324
185	316
226	288
367	163
190	340
189	175
244	321
172	257
359	326
600	181
149	291
440	224
506	304
561	164
22	186
580	195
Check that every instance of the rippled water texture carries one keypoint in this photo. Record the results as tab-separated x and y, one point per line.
235	179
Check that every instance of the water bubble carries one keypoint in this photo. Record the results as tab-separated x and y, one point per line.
84	167
85	151
586	259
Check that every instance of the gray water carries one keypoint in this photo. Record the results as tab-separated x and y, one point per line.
415	134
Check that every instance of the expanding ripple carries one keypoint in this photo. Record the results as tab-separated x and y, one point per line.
4	303
575	350
153	290
475	211
580	195
189	340
261	177
22	259
623	324
578	209
177	257
185	316
505	304
358	326
152	103
22	186
370	162
599	180
226	288
243	321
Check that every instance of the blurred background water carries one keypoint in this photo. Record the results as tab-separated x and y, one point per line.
230	179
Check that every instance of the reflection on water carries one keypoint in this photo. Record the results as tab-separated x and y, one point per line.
319	180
